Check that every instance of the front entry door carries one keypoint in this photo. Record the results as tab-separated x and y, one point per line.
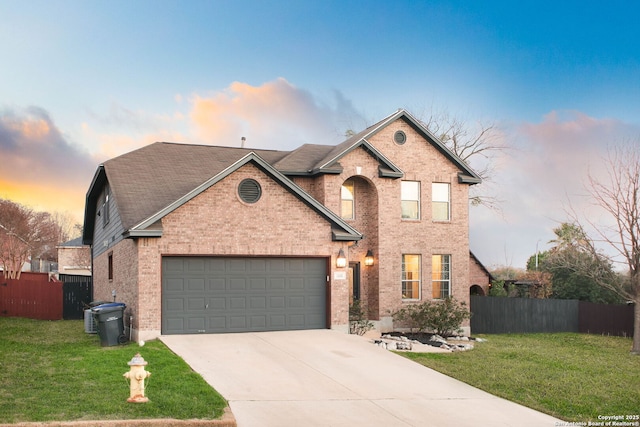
354	282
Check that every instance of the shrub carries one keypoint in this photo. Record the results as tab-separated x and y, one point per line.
443	317
359	324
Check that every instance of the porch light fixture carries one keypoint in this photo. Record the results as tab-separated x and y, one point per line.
368	258
341	261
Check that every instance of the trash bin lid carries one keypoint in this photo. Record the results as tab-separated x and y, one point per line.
112	306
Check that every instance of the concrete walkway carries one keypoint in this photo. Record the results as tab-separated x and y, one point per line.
327	378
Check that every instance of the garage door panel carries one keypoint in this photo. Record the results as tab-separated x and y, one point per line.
258	284
195	304
237	283
175	285
217	284
215	294
196	284
175	304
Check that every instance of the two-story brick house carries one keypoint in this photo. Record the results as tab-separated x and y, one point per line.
206	239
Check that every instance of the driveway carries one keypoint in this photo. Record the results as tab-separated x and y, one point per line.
327	378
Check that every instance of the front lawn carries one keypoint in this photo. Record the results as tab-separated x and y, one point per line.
575	377
53	371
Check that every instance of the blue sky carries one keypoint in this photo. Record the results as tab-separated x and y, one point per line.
83	81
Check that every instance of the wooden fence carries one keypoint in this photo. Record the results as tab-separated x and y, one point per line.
493	315
606	319
33	296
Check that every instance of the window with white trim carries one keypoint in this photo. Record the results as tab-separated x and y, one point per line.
441	201
411	278
410	199
347	198
441	276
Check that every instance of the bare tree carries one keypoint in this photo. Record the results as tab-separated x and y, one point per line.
476	145
24	233
618	195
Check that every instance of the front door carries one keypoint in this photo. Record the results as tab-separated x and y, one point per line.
354	282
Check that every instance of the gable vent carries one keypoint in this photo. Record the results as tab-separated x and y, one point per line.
249	190
399	137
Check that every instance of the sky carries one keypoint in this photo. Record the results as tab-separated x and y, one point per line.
559	81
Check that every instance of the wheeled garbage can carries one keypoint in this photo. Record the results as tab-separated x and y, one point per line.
110	320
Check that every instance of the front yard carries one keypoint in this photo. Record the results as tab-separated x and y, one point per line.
575	377
53	371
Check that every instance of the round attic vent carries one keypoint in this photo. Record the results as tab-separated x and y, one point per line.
399	137
249	190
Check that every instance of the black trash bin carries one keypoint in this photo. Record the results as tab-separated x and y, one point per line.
110	320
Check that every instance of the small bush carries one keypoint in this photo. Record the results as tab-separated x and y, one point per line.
443	317
359	324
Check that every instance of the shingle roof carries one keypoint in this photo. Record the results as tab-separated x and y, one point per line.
146	180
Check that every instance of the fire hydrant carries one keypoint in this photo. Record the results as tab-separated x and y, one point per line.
136	377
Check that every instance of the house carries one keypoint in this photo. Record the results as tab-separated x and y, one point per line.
207	239
74	258
479	277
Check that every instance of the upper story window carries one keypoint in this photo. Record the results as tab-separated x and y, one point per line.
441	276
410	195
411	276
441	201
105	206
347	197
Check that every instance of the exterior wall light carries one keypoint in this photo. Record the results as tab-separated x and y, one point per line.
368	258
341	261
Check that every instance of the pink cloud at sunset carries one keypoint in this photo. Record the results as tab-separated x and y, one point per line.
545	174
38	166
275	114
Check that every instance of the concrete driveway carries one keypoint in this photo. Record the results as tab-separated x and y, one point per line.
327	378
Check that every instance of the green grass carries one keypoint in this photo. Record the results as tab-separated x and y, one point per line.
53	371
575	377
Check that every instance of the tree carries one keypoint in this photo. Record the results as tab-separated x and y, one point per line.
618	196
566	282
476	145
24	233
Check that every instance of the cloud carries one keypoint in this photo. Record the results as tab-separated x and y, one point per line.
543	177
37	160
273	115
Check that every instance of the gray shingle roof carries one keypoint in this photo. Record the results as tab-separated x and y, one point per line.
146	180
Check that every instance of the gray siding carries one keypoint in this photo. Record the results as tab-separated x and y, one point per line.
105	236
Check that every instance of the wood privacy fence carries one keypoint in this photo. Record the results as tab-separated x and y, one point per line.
493	315
33	296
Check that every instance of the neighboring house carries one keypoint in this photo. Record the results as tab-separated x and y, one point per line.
479	277
206	239
74	258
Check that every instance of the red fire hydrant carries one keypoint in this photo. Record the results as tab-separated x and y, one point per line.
136	377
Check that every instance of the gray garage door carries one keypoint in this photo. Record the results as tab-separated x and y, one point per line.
217	294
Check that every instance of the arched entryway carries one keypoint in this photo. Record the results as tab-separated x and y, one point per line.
476	290
359	208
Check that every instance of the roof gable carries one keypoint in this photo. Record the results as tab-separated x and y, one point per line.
341	230
465	175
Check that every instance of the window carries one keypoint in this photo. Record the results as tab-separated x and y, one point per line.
110	266
410	195
441	276
347	196
105	206
410	277
440	196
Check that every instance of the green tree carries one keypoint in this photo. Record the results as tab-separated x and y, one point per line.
560	262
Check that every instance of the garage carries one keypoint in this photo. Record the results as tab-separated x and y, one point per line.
224	294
